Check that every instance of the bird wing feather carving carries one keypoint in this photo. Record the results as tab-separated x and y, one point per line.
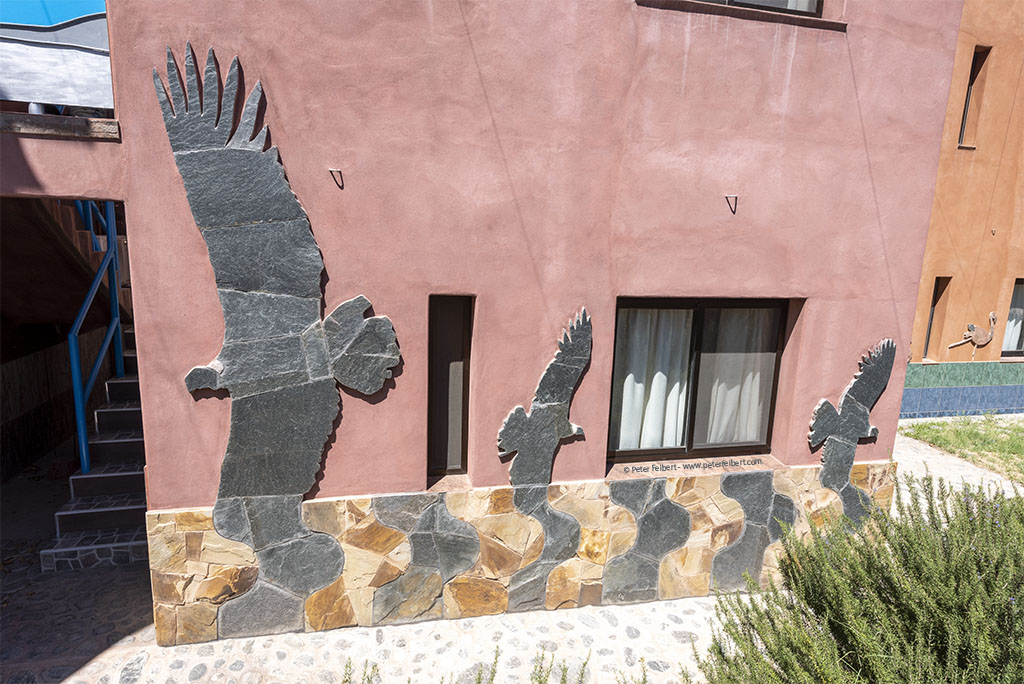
563	373
875	368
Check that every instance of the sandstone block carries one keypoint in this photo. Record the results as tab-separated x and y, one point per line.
196	622
330	607
165	622
196	520
473	596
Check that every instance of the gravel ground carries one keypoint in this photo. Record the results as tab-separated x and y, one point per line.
96	626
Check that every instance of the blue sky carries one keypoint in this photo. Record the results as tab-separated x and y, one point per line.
47	12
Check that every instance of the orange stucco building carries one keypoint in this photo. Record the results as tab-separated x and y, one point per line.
974	260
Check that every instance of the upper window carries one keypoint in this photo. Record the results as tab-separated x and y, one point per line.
807	7
694	376
1013	339
972	100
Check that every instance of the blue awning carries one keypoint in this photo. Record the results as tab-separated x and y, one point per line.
47	12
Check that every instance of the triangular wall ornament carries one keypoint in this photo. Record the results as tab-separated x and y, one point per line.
733	202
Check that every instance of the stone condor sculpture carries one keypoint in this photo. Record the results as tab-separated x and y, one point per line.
534	437
841	430
280	361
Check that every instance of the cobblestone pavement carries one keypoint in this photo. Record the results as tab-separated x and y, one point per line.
96	626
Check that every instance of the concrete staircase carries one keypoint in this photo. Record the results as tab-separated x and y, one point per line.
104	522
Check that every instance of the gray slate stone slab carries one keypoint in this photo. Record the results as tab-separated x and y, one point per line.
561	533
783	513
528	498
753	491
303	565
535	438
183	130
261	366
281	258
856	504
230	519
314	344
277	440
632	495
416	584
837	462
402	511
264	609
664	527
745	555
260	316
559	380
363	350
527	588
274	519
629	578
458	544
875	370
236	187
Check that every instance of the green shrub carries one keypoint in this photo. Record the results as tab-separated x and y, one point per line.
930	595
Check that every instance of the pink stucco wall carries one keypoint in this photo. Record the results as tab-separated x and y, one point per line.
543	156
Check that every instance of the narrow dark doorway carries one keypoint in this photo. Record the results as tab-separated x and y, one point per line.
450	335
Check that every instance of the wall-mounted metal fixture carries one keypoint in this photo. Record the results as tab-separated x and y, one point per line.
340	182
733	201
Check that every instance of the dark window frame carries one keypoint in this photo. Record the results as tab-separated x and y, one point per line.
753	4
1012	353
699	305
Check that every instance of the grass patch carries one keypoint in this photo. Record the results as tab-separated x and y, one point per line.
991	443
932	594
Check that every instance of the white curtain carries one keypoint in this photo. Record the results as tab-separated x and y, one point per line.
799	5
652	359
737	368
803	5
1013	340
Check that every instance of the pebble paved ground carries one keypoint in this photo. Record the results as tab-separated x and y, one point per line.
95	626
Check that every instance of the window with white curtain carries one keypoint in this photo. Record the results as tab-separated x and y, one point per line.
1013	339
693	375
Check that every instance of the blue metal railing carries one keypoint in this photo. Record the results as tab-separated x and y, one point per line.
87	209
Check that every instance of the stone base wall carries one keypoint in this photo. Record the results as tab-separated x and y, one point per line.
479	555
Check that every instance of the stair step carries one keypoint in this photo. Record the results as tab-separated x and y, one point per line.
111	478
129	336
123	389
87	548
101	512
120	415
131	362
125	446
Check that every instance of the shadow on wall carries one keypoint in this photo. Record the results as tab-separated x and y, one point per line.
15	168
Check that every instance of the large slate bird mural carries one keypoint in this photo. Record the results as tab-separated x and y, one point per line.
280	361
841	430
534	437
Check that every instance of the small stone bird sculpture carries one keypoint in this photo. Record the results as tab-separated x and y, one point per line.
977	336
